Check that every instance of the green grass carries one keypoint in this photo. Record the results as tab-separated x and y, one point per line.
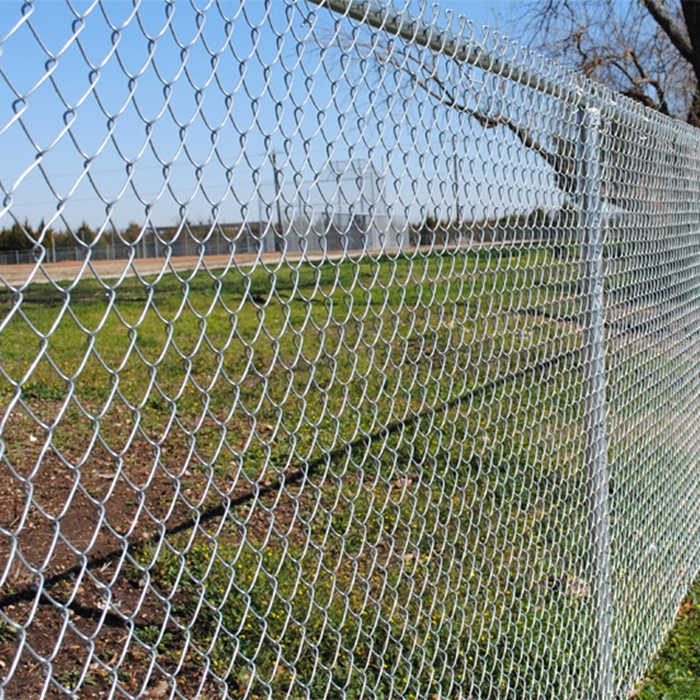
396	444
675	673
378	575
407	327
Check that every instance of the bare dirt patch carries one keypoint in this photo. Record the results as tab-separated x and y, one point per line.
84	515
19	275
69	270
79	514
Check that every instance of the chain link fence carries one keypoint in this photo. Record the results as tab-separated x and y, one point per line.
426	426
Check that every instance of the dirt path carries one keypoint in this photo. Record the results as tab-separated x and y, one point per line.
19	275
69	270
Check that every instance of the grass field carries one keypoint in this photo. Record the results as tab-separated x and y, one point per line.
361	477
675	673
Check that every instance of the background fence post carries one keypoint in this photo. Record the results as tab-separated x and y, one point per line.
595	430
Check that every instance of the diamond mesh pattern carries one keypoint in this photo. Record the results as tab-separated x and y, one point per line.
344	353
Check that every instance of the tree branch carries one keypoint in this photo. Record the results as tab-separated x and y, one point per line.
657	9
691	14
565	180
662	105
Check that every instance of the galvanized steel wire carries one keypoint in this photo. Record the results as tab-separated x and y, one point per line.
416	413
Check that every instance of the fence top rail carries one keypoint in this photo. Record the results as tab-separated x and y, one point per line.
543	75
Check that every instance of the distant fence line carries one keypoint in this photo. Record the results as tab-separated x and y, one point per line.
336	237
340	233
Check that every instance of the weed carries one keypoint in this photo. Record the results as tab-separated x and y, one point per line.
44	391
7	631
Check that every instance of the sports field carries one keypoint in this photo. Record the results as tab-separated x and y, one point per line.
299	478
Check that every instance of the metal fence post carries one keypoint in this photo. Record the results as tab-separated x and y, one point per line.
595	432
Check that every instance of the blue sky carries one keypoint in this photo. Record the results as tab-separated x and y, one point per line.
110	116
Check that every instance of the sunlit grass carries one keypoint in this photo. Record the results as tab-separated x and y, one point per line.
675	673
394	442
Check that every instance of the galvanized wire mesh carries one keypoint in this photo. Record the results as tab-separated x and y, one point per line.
374	373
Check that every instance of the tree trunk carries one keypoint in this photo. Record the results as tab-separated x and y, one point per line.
691	14
694	111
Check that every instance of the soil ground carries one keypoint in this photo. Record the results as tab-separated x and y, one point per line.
18	275
75	602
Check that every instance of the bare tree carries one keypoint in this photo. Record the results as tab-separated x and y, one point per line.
641	48
408	74
648	50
